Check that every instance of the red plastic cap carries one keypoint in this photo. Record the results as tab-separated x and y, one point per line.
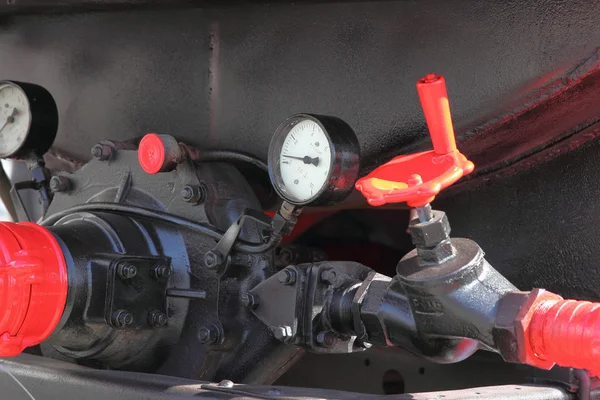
33	286
151	153
417	178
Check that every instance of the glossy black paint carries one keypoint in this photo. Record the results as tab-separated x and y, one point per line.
244	348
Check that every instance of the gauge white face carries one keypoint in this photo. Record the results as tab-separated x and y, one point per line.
305	160
15	118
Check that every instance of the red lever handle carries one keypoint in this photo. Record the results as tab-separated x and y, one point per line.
434	100
417	178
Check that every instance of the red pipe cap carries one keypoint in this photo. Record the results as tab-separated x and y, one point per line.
151	153
417	178
33	286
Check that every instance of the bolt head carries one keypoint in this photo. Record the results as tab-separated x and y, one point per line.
209	334
250	300
157	318
213	259
102	152
127	271
121	318
287	276
283	332
225	384
325	339
59	184
328	276
286	256
193	194
161	271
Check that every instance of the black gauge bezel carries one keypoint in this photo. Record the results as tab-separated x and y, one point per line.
345	160
43	121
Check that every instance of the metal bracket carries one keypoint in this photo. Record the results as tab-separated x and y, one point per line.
39	182
136	286
219	255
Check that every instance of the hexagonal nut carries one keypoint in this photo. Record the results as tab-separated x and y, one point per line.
283	333
437	254
370	313
526	354
503	331
430	233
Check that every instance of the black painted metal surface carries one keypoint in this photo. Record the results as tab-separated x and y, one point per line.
31	377
227	77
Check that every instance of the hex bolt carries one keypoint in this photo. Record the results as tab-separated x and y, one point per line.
283	332
209	334
121	318
157	319
161	271
286	256
102	152
250	300
194	194
213	259
59	184
325	339
328	276
287	277
126	271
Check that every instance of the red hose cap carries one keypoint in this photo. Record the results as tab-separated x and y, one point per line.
33	286
417	178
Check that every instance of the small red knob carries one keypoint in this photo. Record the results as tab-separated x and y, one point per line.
396	181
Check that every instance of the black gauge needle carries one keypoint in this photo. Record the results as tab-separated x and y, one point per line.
10	119
305	159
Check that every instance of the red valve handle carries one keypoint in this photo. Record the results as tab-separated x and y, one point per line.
417	178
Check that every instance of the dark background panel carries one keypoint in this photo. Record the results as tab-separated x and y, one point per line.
226	76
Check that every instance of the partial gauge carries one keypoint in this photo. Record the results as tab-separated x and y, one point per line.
314	160
28	120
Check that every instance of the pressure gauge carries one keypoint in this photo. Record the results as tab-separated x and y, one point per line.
314	160
28	119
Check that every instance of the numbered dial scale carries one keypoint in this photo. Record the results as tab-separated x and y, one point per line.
28	120
314	160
